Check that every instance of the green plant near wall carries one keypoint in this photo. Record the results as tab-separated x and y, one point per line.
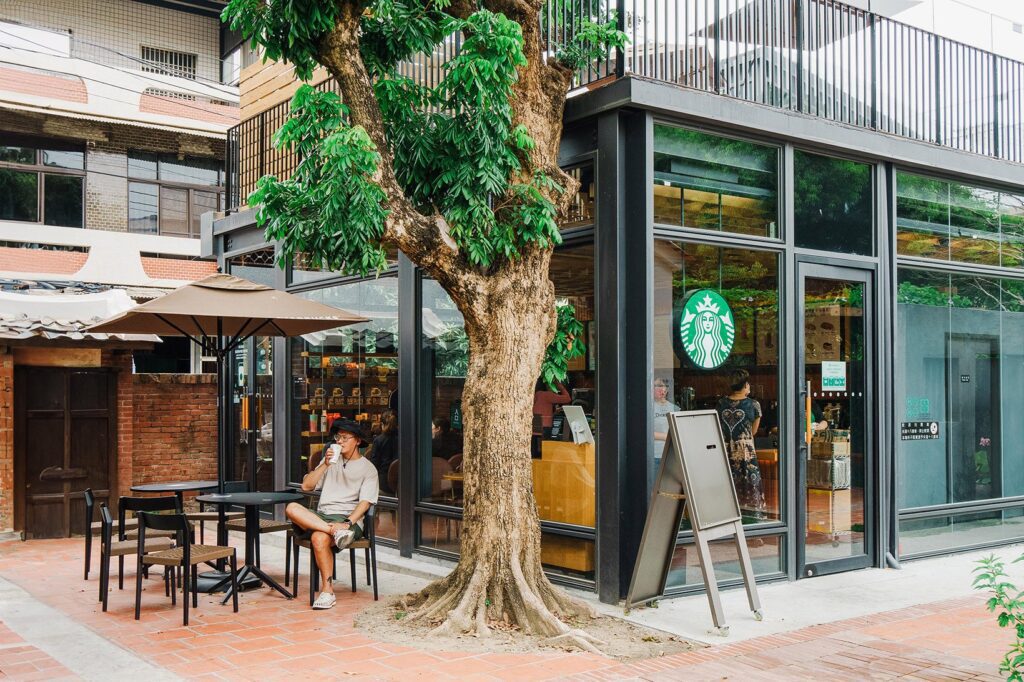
1007	602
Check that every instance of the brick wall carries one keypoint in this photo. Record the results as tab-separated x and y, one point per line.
6	439
174	430
42	260
177	268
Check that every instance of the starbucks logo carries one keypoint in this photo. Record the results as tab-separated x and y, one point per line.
707	329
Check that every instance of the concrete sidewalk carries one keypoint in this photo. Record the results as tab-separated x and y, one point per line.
920	623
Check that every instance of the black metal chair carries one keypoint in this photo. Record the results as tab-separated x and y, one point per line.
135	505
110	548
368	543
96	527
185	556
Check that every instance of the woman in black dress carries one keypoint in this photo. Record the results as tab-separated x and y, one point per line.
740	416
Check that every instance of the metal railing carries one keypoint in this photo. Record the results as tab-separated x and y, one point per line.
818	57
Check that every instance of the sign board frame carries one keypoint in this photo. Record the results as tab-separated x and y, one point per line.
695	477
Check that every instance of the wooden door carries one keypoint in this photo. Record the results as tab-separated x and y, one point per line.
64	440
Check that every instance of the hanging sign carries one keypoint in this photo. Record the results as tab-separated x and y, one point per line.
833	376
707	329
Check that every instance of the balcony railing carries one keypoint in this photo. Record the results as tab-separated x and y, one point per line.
817	57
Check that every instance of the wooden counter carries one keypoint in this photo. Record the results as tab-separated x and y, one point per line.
563	484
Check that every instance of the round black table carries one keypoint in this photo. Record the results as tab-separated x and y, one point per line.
176	487
252	503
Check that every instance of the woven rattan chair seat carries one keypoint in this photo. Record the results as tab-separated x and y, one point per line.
266	525
126	547
199	554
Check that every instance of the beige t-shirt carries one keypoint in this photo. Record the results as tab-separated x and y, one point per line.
344	487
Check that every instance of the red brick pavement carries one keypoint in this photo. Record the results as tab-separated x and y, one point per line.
274	638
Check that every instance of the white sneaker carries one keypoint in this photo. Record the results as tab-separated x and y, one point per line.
344	538
325	601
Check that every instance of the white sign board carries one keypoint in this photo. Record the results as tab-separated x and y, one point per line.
833	376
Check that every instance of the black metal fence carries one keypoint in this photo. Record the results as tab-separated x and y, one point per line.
819	57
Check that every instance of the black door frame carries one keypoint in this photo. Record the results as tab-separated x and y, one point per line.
852	272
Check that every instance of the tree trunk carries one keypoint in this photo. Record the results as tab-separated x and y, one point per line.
499	577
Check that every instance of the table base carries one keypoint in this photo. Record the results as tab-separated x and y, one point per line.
250	573
220	581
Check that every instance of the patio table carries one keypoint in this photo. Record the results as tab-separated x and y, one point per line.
252	503
176	487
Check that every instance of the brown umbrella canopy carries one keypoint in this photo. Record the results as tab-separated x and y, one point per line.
224	305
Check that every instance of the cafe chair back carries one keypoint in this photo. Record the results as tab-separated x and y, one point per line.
135	505
93	528
109	547
186	556
368	544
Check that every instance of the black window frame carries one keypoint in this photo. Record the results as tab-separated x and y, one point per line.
38	146
191	188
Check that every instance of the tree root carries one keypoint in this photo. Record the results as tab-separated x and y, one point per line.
579	638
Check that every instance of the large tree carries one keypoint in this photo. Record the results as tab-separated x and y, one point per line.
463	178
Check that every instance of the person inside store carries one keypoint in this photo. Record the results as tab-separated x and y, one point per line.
740	417
818	420
545	400
348	485
444	442
661	406
384	449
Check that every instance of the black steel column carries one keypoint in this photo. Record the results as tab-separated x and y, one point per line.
409	329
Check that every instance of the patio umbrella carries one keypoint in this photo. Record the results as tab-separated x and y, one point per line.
220	313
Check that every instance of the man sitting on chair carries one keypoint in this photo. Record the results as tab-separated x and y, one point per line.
348	486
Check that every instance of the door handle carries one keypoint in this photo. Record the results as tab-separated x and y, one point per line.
61	474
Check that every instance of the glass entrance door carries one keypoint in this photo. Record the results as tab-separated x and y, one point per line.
836	458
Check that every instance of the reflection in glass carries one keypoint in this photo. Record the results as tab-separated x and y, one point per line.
957	222
350	372
25	155
748	281
174	211
833	204
19	195
241	412
581	211
765	555
142	208
960	340
946	533
834	368
264	404
714	183
62	200
64	159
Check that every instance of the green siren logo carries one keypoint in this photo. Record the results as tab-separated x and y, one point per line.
707	329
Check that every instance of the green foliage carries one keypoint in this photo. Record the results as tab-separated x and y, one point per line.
1006	601
590	43
286	29
330	208
567	344
908	292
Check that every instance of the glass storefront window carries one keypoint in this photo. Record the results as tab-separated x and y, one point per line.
960	366
581	211
948	533
349	372
956	222
748	282
833	204
715	183
765	557
563	472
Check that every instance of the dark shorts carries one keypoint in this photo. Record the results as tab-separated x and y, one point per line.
304	534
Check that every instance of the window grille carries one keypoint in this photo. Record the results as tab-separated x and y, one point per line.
169	62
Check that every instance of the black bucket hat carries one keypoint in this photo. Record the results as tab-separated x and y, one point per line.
349	426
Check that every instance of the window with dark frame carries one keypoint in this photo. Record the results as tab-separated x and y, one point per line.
168	195
42	181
